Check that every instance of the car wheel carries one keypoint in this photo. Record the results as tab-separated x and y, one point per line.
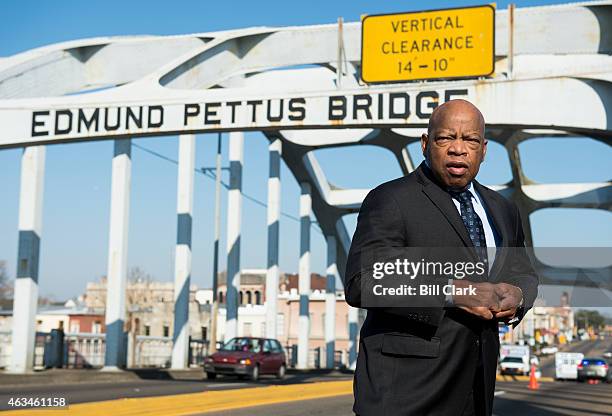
255	373
211	376
281	372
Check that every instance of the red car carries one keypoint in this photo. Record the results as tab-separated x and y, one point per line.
247	357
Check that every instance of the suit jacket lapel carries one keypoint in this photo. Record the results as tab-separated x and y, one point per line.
442	200
494	210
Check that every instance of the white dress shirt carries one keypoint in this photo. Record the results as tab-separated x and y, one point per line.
486	224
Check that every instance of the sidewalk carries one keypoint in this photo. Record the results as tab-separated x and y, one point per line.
58	376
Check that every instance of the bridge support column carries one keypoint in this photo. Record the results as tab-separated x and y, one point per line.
304	275
26	283
115	356
234	217
330	302
272	275
182	265
353	330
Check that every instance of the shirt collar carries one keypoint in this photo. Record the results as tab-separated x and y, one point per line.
469	188
473	193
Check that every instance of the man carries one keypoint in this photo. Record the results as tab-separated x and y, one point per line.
439	359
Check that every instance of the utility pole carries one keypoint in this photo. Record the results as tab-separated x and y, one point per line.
215	283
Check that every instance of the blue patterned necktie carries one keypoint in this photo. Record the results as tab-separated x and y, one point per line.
473	224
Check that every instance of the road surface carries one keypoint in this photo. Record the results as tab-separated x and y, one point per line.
512	397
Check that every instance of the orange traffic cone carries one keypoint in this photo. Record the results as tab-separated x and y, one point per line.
533	382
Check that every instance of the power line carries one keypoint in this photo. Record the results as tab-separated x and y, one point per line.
211	175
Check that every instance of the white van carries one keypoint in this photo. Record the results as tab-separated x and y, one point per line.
566	365
514	359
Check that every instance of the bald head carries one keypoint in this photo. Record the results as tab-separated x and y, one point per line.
454	145
452	108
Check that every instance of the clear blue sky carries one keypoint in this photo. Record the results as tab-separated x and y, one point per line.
77	182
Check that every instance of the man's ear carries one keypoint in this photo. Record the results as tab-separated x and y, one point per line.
424	141
484	150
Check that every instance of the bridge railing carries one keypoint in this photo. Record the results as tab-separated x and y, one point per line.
316	357
151	351
6	349
85	350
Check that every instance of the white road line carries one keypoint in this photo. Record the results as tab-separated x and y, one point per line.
499	393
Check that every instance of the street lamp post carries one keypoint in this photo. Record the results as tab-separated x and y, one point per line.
215	278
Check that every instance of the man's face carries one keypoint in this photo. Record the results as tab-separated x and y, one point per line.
455	146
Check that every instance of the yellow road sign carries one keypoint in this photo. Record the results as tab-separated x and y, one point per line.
450	43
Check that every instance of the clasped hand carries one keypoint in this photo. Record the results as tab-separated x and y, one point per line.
492	300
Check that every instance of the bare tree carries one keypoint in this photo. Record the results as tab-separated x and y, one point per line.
138	297
138	275
6	286
139	283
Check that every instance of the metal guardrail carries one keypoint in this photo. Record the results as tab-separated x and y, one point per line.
6	349
156	352
198	350
152	351
340	359
85	350
316	358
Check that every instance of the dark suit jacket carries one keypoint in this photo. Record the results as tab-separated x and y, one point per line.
422	361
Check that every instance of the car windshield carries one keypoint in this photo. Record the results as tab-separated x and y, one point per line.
242	344
512	360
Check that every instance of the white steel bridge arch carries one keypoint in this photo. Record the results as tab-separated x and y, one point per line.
556	81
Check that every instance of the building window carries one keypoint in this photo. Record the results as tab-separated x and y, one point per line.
249	298
204	333
96	327
166	331
147	330
257	297
241	298
220	297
